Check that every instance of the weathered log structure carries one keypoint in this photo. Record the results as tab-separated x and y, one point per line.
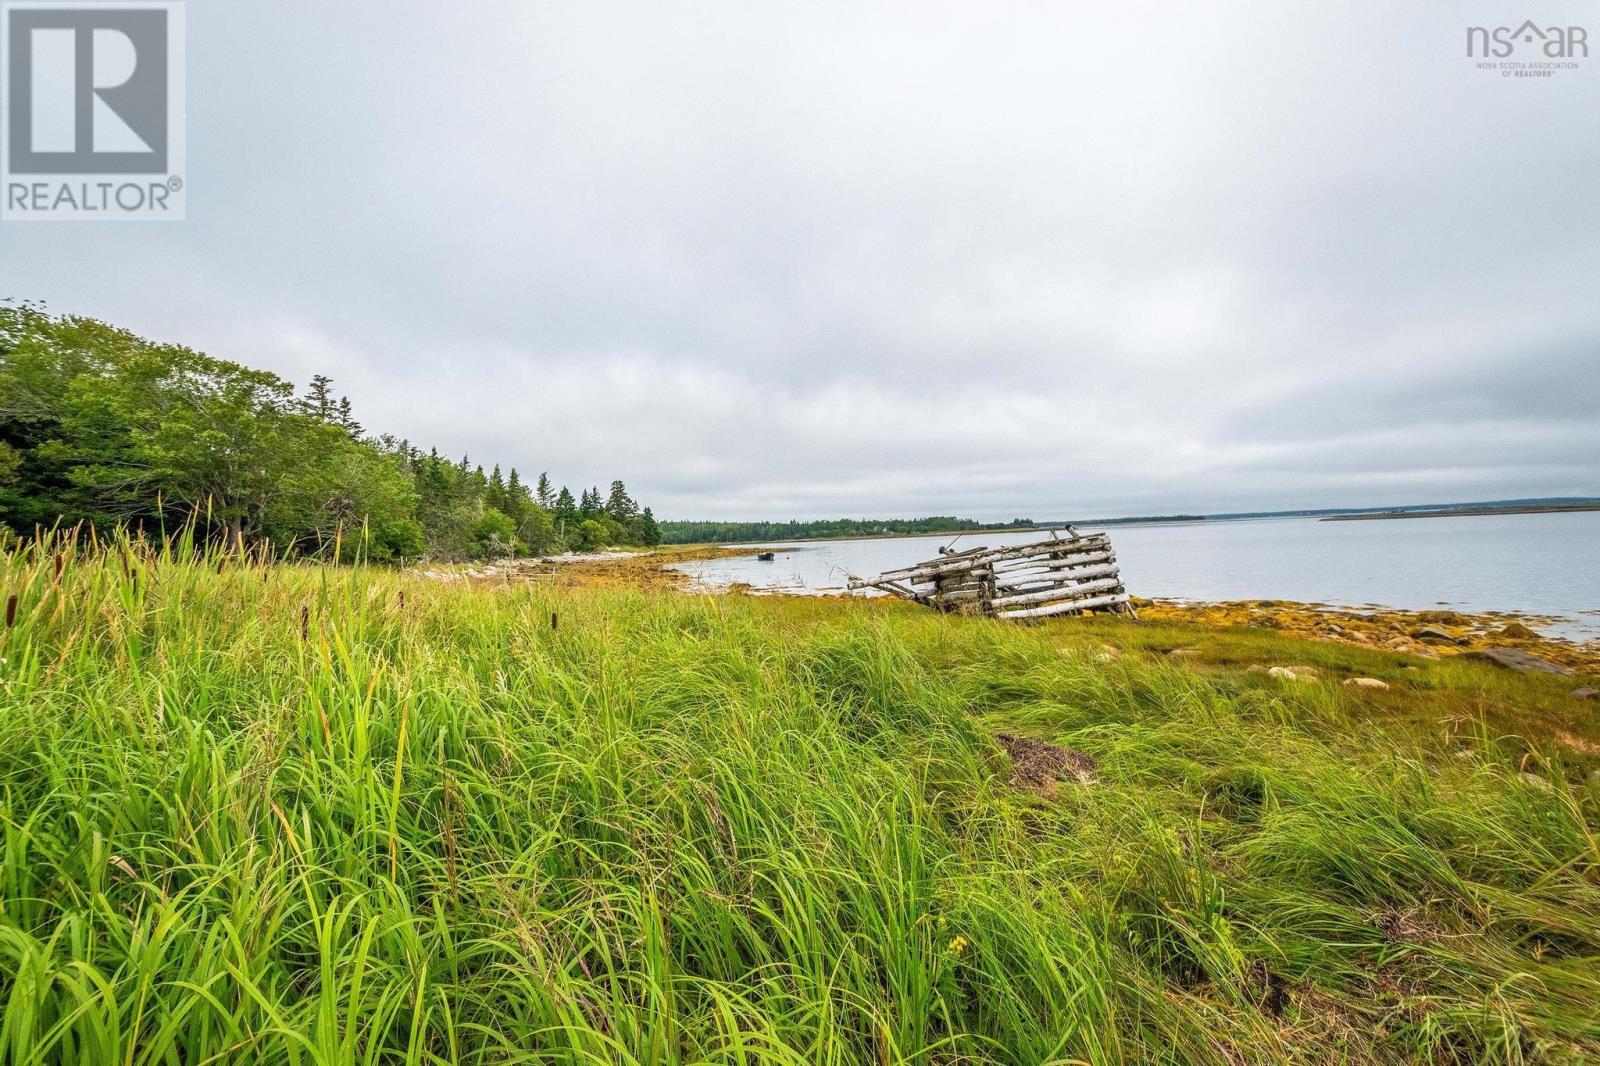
1047	577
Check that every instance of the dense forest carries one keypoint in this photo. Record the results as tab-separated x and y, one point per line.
99	426
707	532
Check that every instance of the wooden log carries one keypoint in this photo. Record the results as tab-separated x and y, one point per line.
970	596
1048	547
931	569
988	559
943	562
1062	608
1015	551
1058	576
1063	558
933	578
1028	581
1088	558
1064	589
929	572
1060	592
1009	588
1060	547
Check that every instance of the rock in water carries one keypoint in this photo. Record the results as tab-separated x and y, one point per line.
1523	662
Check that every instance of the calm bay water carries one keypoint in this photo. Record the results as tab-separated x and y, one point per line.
1542	564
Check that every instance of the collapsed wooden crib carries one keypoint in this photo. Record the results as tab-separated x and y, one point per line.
1047	577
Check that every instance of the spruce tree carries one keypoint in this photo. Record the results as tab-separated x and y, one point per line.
619	505
649	532
318	400
345	419
495	493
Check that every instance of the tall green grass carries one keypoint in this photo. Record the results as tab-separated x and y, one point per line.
272	813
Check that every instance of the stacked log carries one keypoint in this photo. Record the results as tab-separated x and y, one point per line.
1047	577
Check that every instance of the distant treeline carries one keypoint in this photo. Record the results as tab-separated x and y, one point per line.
1134	520
823	529
101	427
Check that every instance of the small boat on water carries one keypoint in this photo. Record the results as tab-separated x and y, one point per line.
767	557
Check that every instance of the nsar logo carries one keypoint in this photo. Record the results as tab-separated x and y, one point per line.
1528	50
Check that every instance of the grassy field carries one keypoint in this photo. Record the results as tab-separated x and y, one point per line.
285	814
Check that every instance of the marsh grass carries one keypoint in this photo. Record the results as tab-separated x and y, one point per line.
259	812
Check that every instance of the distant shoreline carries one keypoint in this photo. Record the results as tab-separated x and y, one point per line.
690	531
1454	512
949	534
1176	520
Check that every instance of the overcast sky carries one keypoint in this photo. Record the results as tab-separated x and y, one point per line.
773	261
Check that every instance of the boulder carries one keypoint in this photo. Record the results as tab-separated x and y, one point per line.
1433	635
1586	693
1524	662
1365	682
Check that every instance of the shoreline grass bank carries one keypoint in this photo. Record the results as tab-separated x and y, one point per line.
290	814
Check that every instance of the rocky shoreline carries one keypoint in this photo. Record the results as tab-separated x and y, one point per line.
1504	639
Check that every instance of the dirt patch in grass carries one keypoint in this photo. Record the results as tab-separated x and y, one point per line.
1408	925
1578	744
1039	766
1267	990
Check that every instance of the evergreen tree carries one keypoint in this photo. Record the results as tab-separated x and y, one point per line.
565	507
495	494
646	531
543	493
619	505
318	400
345	420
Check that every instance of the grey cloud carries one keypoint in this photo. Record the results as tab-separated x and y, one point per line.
793	261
